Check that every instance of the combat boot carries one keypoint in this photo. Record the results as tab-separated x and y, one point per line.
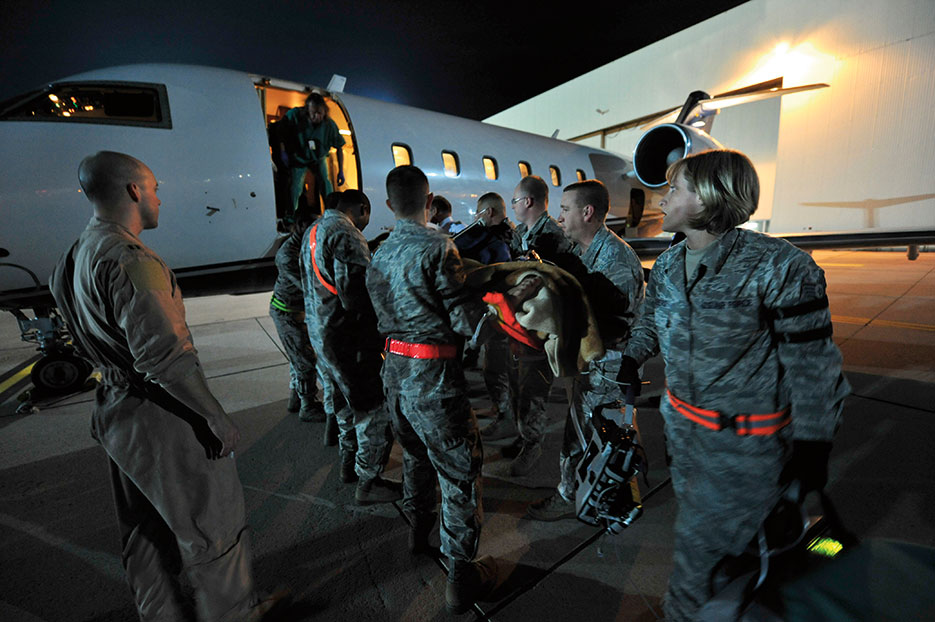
552	508
377	490
469	582
420	527
311	410
330	436
498	429
528	457
294	401
348	472
271	608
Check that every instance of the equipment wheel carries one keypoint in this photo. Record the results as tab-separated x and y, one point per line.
60	372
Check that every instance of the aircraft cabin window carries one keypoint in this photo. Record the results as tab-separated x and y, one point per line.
490	168
109	103
580	174
556	175
524	169
452	166
402	154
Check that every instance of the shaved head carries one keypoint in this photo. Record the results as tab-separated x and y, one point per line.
407	189
492	208
104	176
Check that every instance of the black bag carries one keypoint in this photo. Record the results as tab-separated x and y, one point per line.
822	574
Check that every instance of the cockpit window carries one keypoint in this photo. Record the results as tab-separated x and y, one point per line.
113	103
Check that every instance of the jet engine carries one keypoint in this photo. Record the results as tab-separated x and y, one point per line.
664	144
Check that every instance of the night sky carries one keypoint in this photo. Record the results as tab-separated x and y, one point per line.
470	59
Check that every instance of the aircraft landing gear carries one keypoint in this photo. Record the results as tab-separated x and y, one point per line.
60	370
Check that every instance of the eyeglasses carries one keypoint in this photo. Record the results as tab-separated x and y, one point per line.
517	200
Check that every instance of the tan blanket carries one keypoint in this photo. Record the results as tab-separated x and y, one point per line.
559	313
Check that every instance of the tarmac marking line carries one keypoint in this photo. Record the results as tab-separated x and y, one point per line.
15	378
109	564
297	497
866	321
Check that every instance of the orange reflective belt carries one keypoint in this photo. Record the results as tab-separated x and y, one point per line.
508	323
742	425
421	350
311	241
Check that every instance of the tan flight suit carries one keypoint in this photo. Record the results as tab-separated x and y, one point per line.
176	509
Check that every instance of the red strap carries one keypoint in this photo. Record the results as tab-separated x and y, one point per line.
743	425
311	241
508	322
421	350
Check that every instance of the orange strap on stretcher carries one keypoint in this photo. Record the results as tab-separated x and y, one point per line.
742	425
311	242
421	350
508	323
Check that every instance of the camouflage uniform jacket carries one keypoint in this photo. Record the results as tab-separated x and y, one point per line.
287	290
338	323
416	283
545	237
615	284
723	346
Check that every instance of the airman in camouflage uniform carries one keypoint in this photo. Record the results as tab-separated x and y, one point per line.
417	284
342	329
168	441
287	308
614	285
743	325
532	379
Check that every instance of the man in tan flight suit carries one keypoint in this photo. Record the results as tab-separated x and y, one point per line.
169	443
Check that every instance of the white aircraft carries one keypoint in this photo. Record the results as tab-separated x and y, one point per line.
203	132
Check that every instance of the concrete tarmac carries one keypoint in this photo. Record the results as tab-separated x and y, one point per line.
58	537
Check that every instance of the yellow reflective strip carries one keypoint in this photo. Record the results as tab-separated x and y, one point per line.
12	380
827	547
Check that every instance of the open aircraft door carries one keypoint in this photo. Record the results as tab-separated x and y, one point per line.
276	100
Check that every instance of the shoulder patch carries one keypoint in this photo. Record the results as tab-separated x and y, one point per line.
147	274
812	289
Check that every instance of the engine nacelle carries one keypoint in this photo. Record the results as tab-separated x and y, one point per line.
664	144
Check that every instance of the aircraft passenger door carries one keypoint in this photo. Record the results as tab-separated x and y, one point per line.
276	102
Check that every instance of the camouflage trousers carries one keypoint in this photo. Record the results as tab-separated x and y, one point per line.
293	334
498	369
588	393
532	383
440	439
353	393
725	486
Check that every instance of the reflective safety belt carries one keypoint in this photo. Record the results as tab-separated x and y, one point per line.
311	241
742	425
507	322
421	350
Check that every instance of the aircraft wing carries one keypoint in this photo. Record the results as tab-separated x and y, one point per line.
648	248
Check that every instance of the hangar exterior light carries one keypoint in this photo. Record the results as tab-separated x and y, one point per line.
797	64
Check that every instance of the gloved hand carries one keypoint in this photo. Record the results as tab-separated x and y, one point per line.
630	373
808	464
284	157
340	179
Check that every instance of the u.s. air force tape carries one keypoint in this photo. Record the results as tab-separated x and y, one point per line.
147	274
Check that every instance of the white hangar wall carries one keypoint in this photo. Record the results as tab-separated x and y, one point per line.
860	154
